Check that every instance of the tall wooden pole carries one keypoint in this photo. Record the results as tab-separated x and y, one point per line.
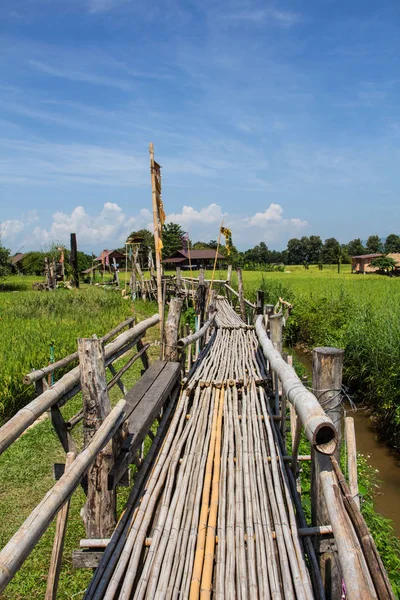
327	381
156	237
215	265
73	259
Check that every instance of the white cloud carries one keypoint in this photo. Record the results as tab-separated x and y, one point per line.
109	227
101	6
282	17
190	216
273	215
11	229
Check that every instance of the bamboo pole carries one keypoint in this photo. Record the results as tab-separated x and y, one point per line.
241	294
183	342
11	430
206	579
352	563
350	436
370	553
58	545
24	540
63	362
318	428
202	528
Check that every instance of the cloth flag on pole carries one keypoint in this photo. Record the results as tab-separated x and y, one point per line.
107	260
228	239
130	252
185	242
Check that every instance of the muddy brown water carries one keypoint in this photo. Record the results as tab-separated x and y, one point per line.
379	456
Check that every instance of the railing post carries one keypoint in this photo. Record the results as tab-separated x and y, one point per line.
241	294
100	509
178	279
276	339
229	275
171	329
201	301
260	302
327	381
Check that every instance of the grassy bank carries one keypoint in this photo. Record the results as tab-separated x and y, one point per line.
360	314
30	321
25	477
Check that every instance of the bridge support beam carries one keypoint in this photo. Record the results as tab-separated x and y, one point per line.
99	513
327	382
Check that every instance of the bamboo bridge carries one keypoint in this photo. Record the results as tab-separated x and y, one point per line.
215	509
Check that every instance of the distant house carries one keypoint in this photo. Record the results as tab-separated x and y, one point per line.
16	261
107	258
362	262
198	259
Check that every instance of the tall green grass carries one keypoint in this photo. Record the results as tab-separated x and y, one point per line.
360	314
30	321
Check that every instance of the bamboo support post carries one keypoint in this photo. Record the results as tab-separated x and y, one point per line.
241	294
58	545
276	339
229	274
24	540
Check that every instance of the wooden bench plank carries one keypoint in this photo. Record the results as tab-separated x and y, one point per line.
86	559
143	416
136	393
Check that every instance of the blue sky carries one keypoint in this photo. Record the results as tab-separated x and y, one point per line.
282	118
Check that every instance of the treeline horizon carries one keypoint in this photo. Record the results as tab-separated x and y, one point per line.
307	250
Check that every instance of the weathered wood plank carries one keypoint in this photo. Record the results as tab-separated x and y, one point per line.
86	559
99	513
141	387
142	416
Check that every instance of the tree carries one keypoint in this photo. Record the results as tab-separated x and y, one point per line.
330	251
146	239
374	244
392	243
312	248
172	239
296	254
5	264
384	263
355	247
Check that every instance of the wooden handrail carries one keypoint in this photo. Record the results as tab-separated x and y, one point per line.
28	415
24	540
63	362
